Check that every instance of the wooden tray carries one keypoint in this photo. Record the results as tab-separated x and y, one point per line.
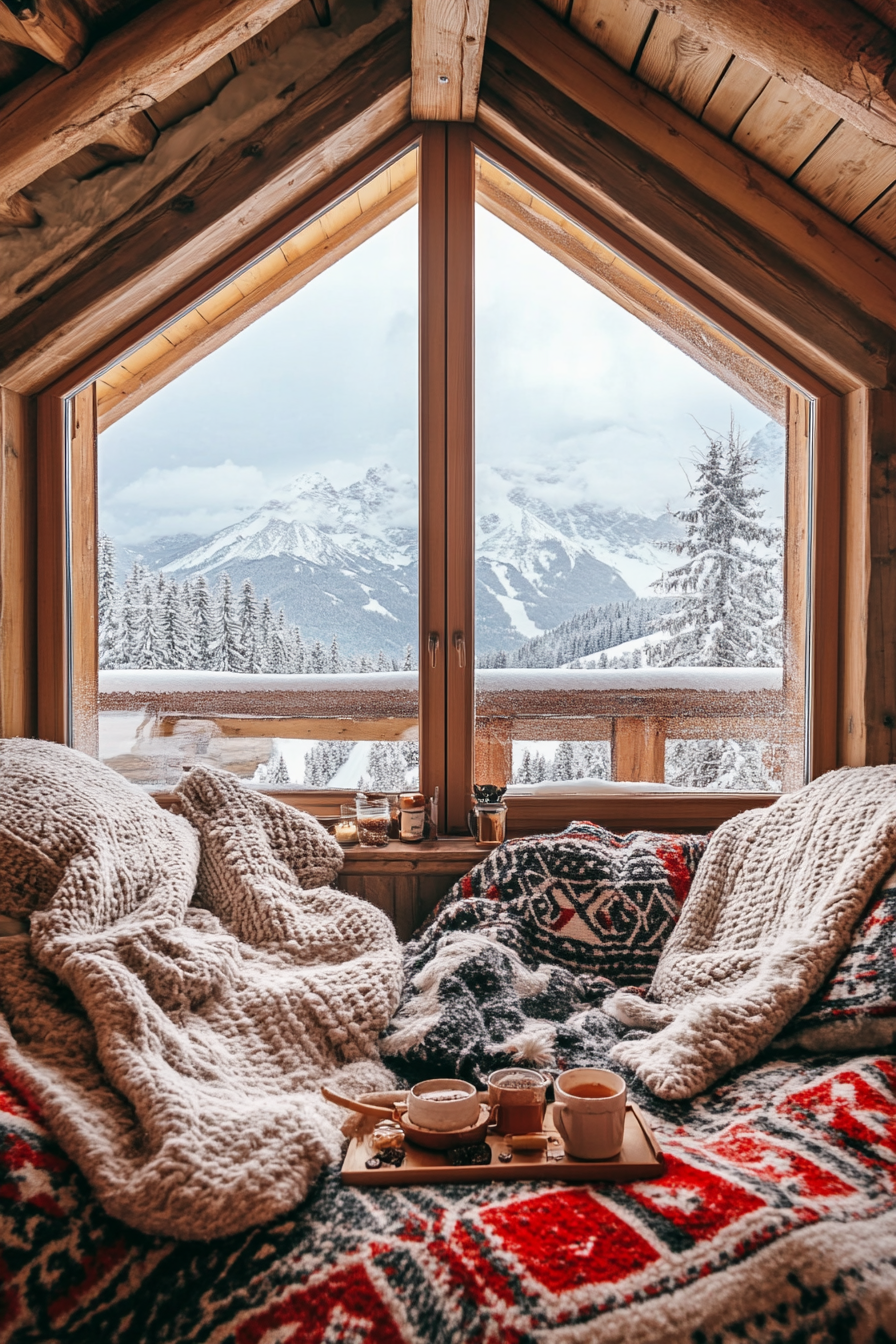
639	1159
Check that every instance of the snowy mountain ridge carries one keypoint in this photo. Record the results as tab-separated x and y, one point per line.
344	560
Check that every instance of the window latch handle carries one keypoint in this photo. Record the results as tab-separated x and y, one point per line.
433	647
460	645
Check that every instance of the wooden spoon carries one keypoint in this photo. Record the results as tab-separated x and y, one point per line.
362	1107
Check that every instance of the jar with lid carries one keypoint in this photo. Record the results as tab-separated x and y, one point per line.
413	818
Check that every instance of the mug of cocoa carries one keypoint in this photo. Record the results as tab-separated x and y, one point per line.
519	1095
589	1112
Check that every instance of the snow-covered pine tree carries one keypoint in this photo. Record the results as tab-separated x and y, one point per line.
248	617
204	632
227	651
523	775
279	644
381	664
728	596
174	629
108	611
318	658
266	636
408	664
564	762
336	664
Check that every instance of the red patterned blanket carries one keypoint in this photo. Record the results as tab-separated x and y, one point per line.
775	1221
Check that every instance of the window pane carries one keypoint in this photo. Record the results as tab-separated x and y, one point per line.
258	561
630	499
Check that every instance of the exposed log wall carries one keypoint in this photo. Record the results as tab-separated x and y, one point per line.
202	210
17	564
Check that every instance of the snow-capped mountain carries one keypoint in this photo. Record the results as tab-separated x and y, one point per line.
344	560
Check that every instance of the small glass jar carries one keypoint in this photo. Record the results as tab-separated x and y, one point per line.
373	821
491	823
413	818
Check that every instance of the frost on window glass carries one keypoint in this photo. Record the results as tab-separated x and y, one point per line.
258	551
630	496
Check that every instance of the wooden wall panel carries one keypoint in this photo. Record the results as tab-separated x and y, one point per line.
83	576
52	580
407	900
17	564
867	719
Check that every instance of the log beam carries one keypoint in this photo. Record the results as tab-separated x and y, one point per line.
833	51
130	70
52	28
638	750
202	212
447	42
726	224
17	213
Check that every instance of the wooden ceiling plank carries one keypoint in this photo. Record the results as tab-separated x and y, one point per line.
737	91
879	221
819	297
559	7
848	172
832	51
127	392
271	38
313	235
136	66
730	180
681	64
447	41
54	29
190	97
204	210
783	127
615	27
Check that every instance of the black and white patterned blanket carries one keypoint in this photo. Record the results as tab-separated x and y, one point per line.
515	962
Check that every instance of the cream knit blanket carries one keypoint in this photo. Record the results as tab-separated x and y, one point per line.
772	907
176	1044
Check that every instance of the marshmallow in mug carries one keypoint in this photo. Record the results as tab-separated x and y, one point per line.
443	1104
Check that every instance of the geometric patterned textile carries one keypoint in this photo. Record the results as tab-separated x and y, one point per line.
588	898
516	960
774	1223
856	1005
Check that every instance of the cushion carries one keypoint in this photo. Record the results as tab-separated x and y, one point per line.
591	899
855	1008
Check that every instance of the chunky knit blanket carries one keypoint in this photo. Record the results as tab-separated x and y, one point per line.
515	962
773	906
188	984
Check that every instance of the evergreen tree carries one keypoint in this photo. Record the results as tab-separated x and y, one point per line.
109	635
279	644
248	617
203	625
318	657
266	636
408	664
174	629
335	659
227	651
728	599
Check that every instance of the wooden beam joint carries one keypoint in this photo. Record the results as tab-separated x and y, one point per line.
53	28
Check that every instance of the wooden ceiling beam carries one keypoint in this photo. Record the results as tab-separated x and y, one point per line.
17	213
52	28
757	246
127	72
833	51
202	213
447	42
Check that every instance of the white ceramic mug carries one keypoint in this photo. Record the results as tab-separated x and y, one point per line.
590	1127
430	1111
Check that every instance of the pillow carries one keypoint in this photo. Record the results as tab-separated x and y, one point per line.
585	897
855	1008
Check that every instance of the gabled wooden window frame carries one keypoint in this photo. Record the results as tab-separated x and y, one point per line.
66	490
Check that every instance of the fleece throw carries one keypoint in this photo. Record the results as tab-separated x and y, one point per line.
188	984
773	906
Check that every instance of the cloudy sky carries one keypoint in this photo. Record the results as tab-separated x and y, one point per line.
328	382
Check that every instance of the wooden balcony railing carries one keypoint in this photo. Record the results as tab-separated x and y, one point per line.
635	710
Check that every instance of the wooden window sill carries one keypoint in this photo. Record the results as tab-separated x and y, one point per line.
451	855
